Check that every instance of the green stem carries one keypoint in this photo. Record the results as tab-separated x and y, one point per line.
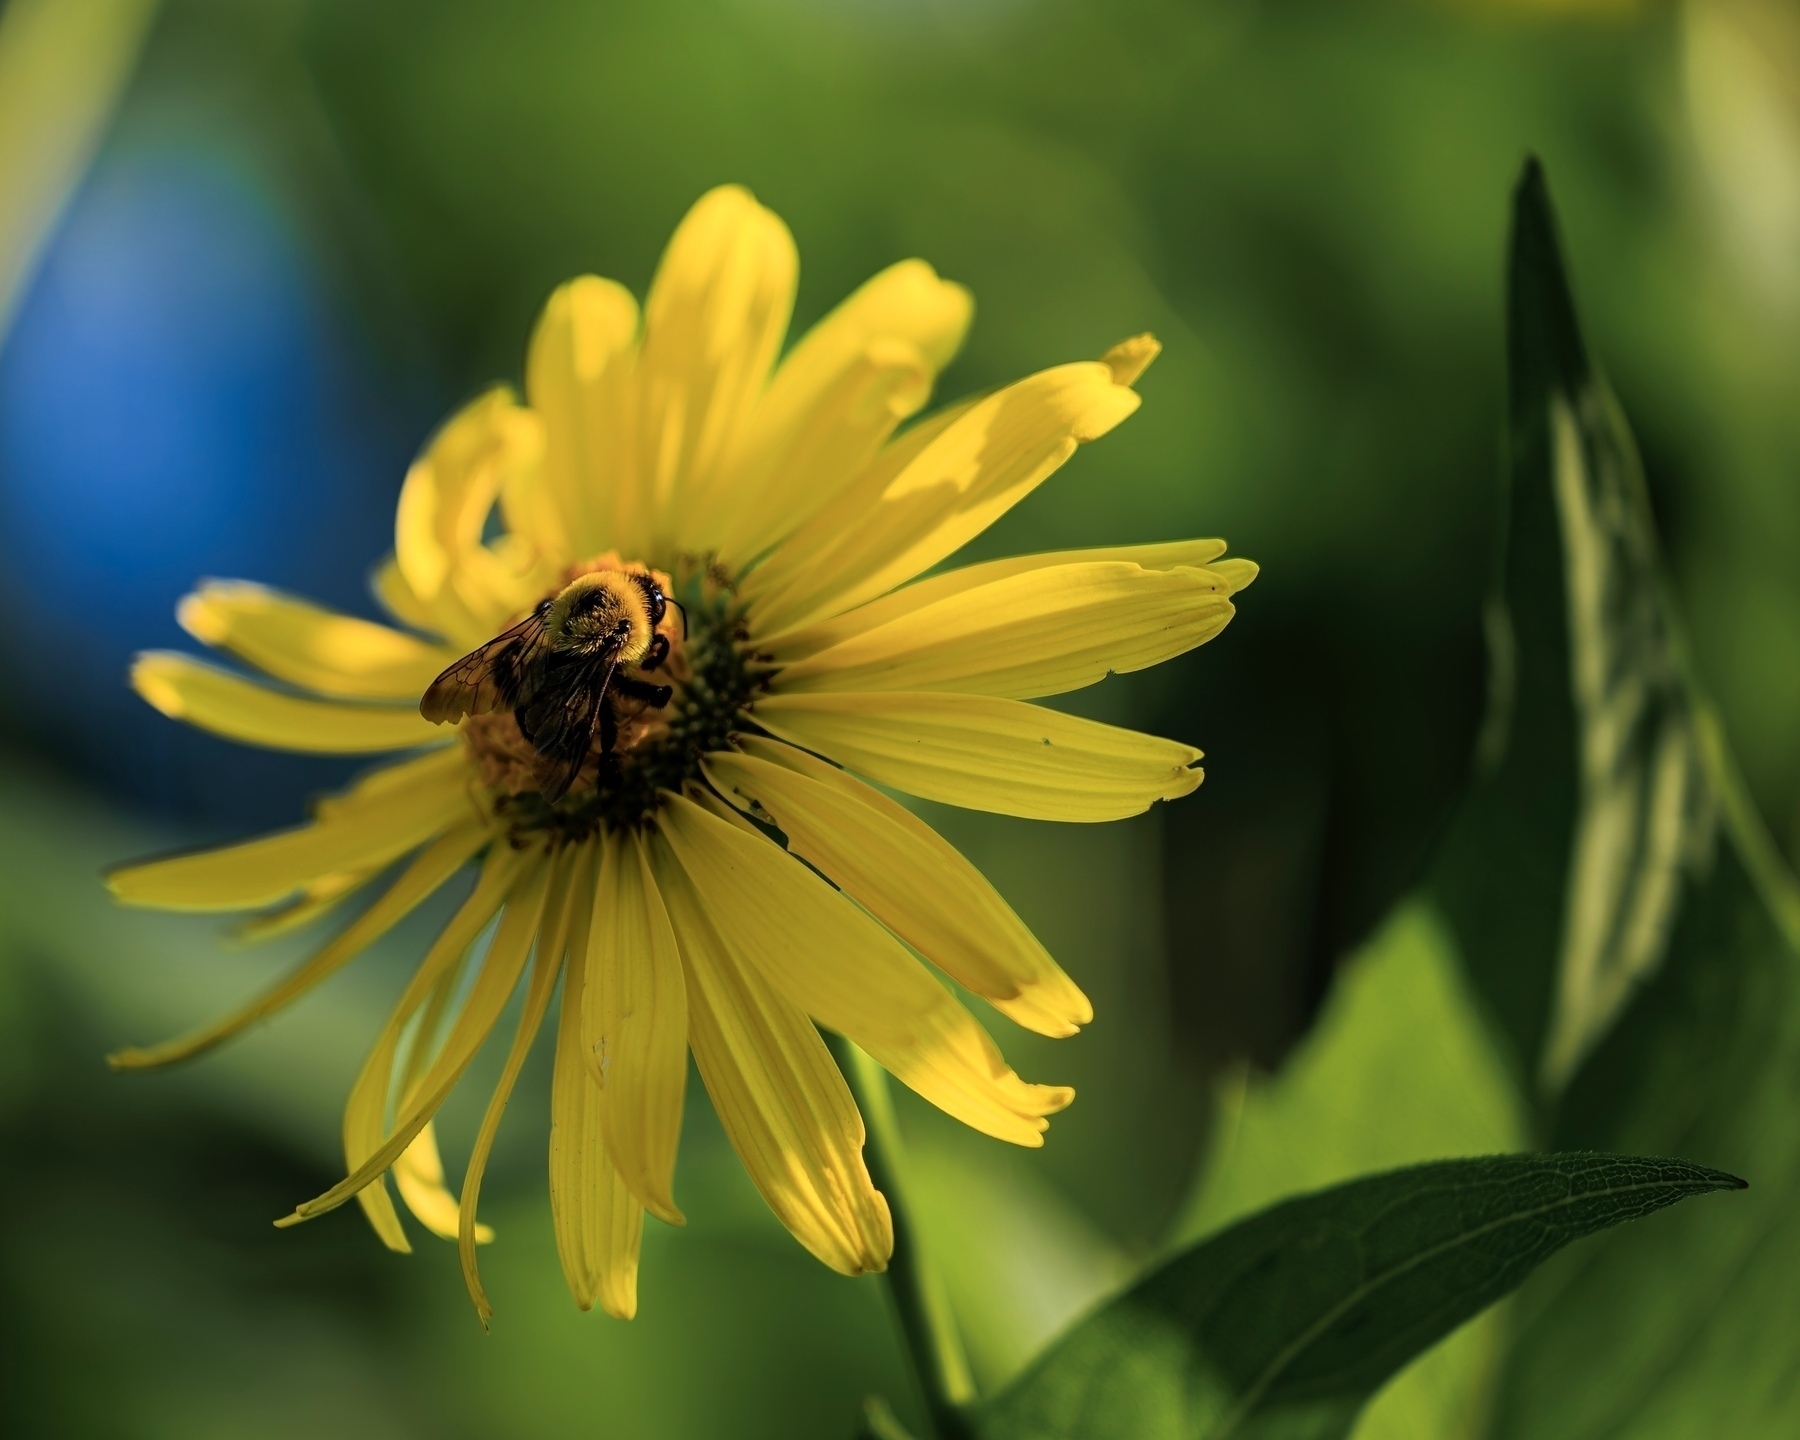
927	1323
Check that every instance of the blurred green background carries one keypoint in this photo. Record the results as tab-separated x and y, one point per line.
309	227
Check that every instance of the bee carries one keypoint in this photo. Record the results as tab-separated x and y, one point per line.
558	671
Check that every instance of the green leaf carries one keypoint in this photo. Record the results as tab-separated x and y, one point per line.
1633	926
1603	771
1399	1067
1285	1324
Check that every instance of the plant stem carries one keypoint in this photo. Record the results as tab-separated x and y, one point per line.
927	1323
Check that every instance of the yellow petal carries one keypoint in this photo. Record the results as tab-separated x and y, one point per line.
577	379
433	866
798	644
365	1112
379	820
544	970
992	456
184	688
908	877
1131	358
988	754
843	969
1235	572
1044	632
713	324
398	599
317	898
419	1177
366	1152
314	648
836	398
634	1021
468	588
598	1223
778	1093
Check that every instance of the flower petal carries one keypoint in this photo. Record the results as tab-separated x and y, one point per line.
369	1146
988	754
470	590
184	688
713	324
598	1222
1236	572
908	877
1043	632
552	940
980	466
419	1177
433	866
798	644
634	1021
380	819
777	1092
311	647
836	398
316	899
577	378
843	969
365	1112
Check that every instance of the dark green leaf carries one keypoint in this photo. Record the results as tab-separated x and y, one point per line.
1569	865
1285	1324
1682	1033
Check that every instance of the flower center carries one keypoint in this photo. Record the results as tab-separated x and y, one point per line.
656	749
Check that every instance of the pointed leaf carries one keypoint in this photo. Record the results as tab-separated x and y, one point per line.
1286	1323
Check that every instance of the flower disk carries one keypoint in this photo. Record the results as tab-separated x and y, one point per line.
667	610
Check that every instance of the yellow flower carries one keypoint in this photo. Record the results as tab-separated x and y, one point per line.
787	516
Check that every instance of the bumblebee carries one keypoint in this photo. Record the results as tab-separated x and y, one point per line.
559	671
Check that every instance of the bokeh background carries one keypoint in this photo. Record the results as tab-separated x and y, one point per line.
257	250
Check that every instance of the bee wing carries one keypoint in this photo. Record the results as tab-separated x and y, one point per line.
559	722
491	678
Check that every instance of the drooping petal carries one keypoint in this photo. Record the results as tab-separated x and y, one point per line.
778	1093
713	324
306	645
365	1112
184	688
843	969
908	877
1044	632
598	1222
466	588
988	754
381	818
433	866
419	1177
370	1147
317	898
634	1021
993	455
577	378
836	398
798	644
552	940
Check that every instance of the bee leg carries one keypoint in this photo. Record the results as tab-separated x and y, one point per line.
655	696
659	652
609	739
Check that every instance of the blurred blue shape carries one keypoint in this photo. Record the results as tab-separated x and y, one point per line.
177	399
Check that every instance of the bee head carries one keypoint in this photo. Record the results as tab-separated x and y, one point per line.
606	612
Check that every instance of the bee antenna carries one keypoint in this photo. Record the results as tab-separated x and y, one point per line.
683	609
